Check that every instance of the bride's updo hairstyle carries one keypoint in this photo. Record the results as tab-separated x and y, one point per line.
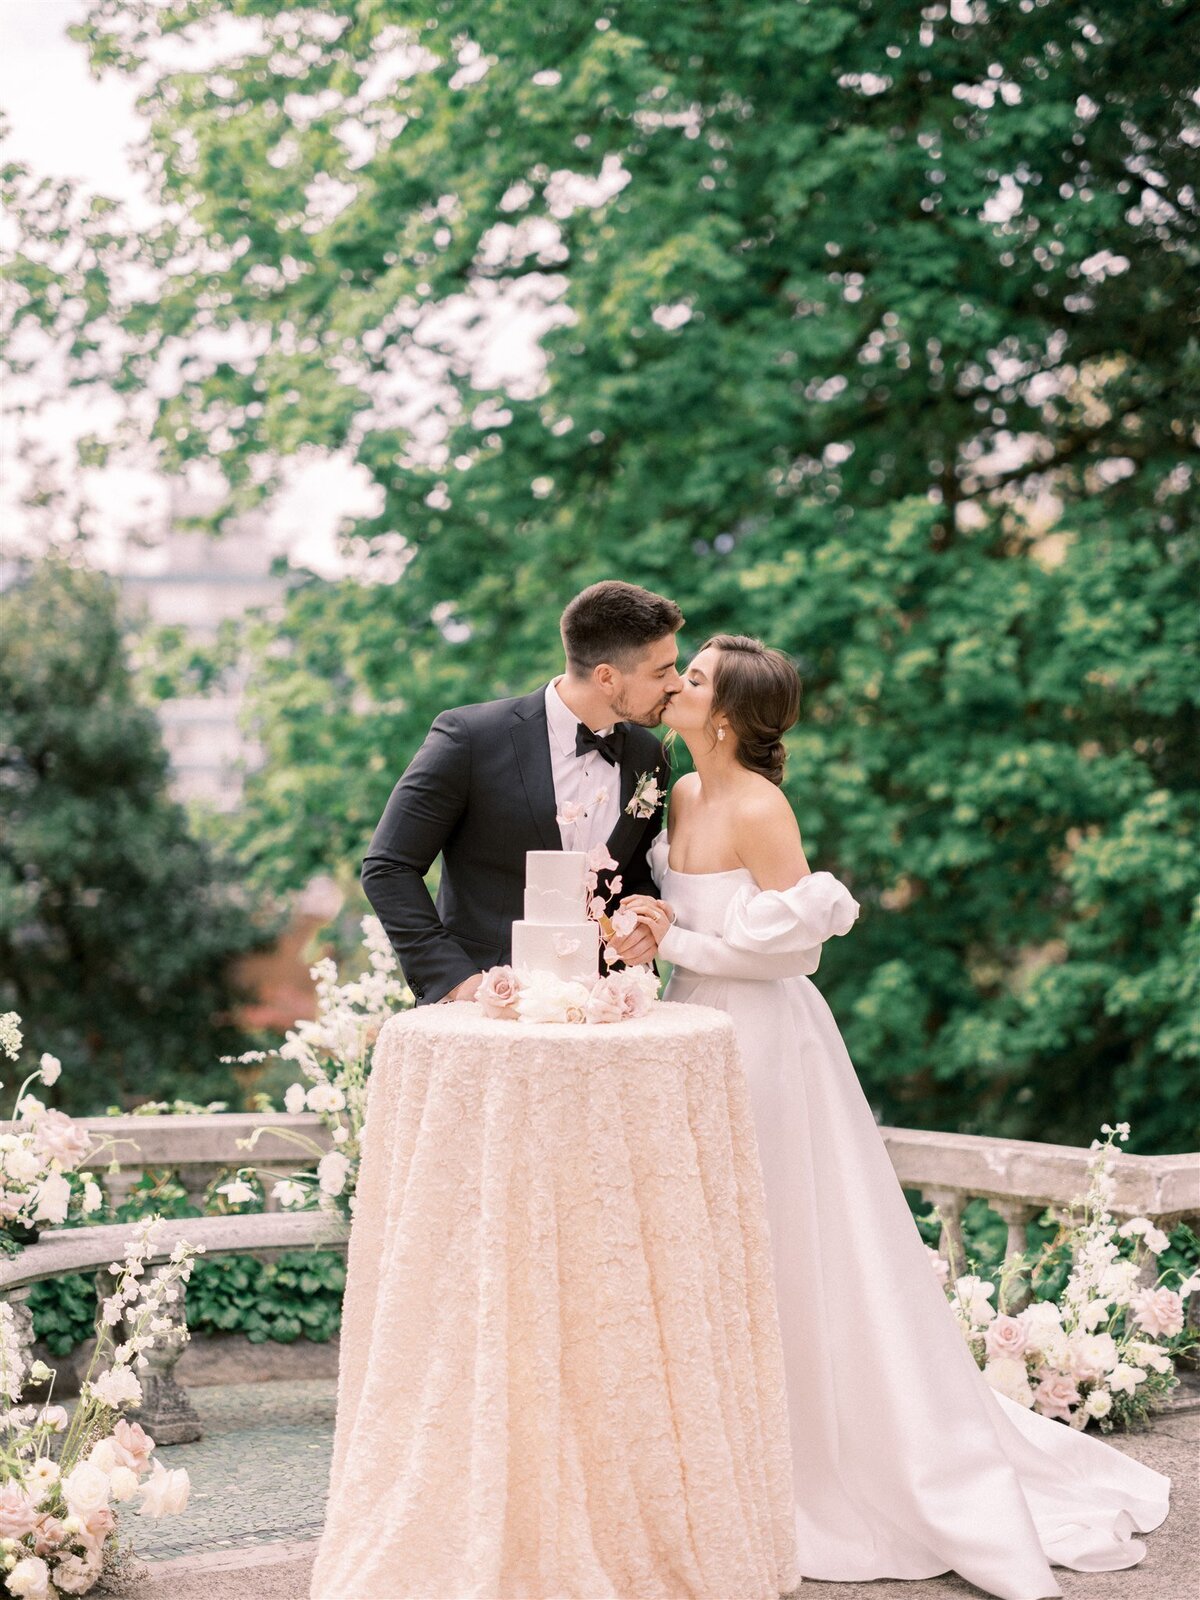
758	692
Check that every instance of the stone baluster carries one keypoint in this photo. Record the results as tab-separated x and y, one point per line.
118	1186
1017	1215
951	1203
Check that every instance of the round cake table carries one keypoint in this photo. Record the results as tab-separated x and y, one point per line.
561	1375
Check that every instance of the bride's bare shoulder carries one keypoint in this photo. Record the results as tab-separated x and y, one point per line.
760	802
768	835
685	787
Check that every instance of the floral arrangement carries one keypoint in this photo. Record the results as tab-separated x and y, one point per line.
333	1052
41	1152
512	996
61	1478
1106	1349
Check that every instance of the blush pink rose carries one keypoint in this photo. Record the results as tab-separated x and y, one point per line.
48	1535
78	1574
497	994
132	1446
97	1526
1055	1396
18	1514
606	1003
1005	1336
620	997
1158	1311
55	1135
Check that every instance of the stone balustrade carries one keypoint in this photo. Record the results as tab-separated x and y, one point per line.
199	1148
1017	1179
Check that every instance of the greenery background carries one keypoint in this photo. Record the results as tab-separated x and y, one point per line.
886	351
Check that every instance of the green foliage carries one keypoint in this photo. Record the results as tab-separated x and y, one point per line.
884	348
116	925
298	1295
64	1311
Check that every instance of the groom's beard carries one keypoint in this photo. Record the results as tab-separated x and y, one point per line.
644	719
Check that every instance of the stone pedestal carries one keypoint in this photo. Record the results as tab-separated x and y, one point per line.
166	1413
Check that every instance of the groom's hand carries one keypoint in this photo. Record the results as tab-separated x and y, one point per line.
640	946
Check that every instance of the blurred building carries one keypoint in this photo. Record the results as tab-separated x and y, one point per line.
195	581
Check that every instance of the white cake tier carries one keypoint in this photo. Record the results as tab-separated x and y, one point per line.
570	950
555	887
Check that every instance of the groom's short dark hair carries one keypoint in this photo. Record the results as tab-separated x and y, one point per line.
615	622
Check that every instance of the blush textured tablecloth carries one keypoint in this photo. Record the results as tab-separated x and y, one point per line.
561	1373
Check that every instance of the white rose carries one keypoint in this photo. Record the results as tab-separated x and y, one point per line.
50	1066
332	1171
1091	1355
165	1494
340	1134
30	1579
325	1097
545	998
124	1483
1043	1322
1007	1376
53	1198
103	1454
22	1164
1098	1403
85	1489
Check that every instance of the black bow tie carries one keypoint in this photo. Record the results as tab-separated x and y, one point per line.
609	745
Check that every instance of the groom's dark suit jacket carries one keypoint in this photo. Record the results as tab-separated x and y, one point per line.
480	791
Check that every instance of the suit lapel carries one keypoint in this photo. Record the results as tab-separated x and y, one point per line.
531	741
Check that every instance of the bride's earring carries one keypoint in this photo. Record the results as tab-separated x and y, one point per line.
720	733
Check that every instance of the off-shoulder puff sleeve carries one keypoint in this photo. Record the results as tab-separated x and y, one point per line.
817	908
767	933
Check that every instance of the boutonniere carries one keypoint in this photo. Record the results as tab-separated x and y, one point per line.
646	795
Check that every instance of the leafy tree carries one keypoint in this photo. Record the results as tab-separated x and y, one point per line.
874	333
116	925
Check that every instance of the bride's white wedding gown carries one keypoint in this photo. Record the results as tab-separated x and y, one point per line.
907	1463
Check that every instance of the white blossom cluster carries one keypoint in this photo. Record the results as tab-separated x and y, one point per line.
58	1512
1087	1354
41	1149
333	1052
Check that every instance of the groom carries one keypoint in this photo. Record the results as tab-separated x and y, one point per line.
553	770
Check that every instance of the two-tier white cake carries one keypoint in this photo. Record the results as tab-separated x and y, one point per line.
557	935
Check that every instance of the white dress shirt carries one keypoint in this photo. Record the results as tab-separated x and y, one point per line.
586	781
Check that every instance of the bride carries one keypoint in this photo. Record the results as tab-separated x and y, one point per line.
907	1463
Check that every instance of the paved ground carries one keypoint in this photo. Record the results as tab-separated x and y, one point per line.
259	1474
258	1488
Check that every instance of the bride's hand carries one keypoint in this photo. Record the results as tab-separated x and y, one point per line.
654	914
